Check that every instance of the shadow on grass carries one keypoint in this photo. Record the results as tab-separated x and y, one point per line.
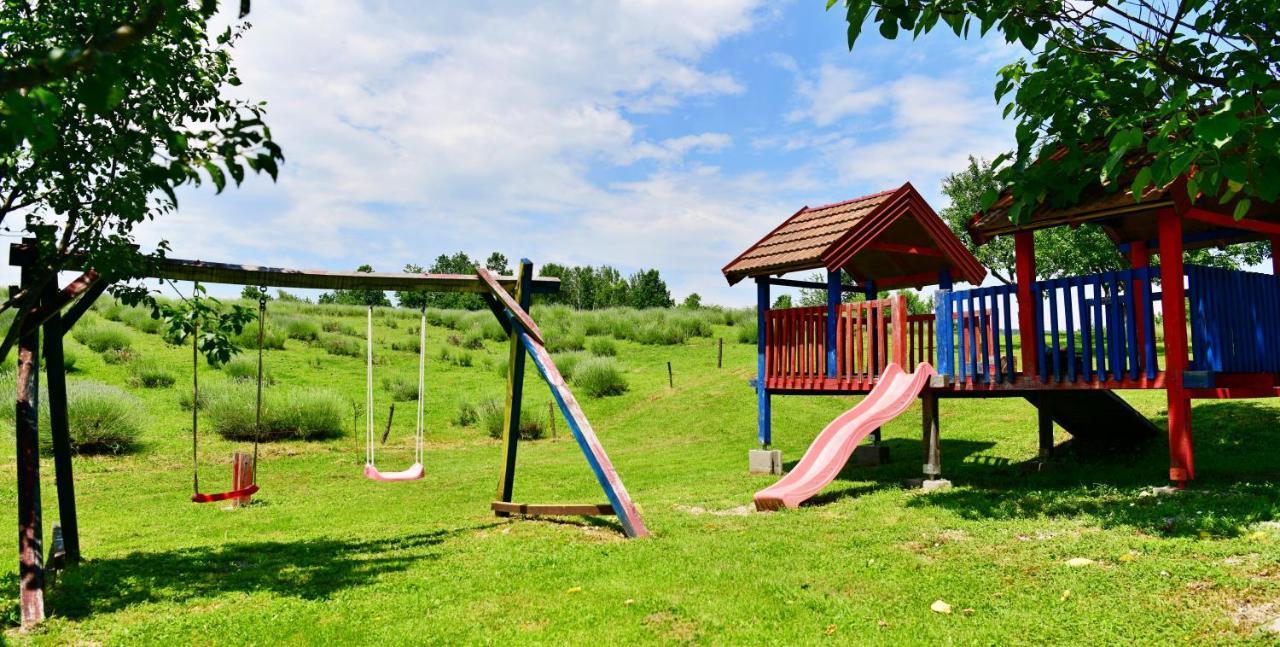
311	570
1237	484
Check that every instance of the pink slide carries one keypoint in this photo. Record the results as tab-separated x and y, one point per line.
832	448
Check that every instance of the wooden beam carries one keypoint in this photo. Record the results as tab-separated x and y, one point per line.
178	269
764	403
515	384
1025	260
1223	220
82	305
60	432
1174	307
30	538
553	509
897	248
808	285
505	299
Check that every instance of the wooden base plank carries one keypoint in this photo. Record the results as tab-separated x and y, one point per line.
553	509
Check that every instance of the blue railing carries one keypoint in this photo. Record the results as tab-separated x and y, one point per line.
1235	320
974	330
1097	327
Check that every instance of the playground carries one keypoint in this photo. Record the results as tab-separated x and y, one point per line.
325	551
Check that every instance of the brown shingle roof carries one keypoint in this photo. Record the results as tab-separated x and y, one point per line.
798	243
892	235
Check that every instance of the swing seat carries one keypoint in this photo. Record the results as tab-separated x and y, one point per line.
200	497
414	473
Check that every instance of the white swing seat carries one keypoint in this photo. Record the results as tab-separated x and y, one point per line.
413	473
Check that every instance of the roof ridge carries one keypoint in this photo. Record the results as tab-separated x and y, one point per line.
853	200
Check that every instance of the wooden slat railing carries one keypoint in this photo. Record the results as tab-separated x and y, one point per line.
1235	320
975	334
869	335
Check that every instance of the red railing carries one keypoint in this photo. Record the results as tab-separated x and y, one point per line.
868	335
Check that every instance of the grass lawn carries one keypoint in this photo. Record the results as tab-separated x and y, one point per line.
325	556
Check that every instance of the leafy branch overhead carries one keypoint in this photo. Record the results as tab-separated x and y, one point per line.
1126	94
107	108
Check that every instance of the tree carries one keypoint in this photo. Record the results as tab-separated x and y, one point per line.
646	289
1125	92
693	301
252	293
458	263
1060	251
105	109
498	264
357	296
815	297
782	302
415	299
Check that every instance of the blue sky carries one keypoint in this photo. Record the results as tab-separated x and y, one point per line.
641	133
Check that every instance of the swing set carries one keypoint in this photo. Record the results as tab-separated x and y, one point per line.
508	297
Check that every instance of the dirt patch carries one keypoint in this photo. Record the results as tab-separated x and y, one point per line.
672	627
739	511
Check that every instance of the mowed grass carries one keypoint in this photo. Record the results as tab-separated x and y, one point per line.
327	557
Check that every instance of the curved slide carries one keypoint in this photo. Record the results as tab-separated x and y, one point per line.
829	452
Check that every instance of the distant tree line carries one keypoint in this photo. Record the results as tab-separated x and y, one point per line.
582	287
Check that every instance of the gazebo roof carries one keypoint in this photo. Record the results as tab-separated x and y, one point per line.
1126	220
893	238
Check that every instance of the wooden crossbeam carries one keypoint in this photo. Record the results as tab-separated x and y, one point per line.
896	248
178	269
553	509
1222	220
505	298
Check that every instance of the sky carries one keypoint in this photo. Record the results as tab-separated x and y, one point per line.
639	133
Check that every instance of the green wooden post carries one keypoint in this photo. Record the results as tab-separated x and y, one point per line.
515	387
59	430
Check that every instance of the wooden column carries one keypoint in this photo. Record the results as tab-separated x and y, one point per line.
515	389
929	417
1140	258
764	412
59	430
1025	258
944	280
1044	418
30	537
1173	303
873	328
1275	255
833	314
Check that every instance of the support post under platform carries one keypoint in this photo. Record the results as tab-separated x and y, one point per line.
764	418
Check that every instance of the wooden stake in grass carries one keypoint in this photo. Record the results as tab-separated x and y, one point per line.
720	355
355	428
551	418
390	414
671	380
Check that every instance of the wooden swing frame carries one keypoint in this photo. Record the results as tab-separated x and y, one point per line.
508	297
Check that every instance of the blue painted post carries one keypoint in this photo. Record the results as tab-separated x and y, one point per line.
764	417
942	330
833	314
944	280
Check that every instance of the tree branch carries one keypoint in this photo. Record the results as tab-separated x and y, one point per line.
120	38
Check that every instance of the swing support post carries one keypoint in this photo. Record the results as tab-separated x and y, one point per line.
515	390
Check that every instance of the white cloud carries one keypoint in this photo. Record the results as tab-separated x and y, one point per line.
834	93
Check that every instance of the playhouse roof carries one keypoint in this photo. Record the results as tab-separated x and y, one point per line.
1125	219
893	238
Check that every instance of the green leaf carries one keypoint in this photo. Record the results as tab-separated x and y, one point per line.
1140	182
889	29
216	175
1242	208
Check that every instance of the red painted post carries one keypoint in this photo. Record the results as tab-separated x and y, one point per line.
1173	303
1025	257
899	315
1140	258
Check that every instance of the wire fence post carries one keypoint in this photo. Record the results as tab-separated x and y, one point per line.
671	380
720	355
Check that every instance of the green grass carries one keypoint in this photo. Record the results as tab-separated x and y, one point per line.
325	556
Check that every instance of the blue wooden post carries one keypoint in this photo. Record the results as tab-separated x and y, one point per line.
833	314
764	418
943	333
944	280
